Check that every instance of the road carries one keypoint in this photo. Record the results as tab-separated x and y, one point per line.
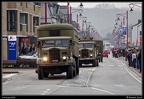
111	77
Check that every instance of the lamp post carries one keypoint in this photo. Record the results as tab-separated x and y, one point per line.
45	13
124	15
87	26
76	10
68	16
83	21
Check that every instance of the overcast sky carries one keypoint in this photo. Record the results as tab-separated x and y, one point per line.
92	4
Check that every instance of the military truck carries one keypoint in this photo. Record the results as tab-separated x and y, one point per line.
88	53
57	46
99	45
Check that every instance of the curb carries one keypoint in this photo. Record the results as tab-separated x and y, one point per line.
133	69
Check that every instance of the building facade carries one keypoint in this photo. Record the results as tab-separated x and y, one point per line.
137	35
20	19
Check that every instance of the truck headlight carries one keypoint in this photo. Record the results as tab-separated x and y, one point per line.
64	57
44	58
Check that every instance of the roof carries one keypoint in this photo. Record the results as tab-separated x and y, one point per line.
58	26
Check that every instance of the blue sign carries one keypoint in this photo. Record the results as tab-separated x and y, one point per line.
11	47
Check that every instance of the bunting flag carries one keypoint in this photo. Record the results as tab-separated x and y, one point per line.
122	31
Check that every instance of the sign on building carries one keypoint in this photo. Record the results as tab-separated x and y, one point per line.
12	47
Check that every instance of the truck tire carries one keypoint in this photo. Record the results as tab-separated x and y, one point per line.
101	60
70	72
40	73
77	66
94	63
45	75
97	63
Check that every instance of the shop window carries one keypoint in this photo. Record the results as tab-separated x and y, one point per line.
12	20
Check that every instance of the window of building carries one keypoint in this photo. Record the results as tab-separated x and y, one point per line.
12	20
34	7
26	5
24	19
21	3
36	21
37	3
140	32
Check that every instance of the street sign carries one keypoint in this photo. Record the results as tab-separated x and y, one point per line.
12	47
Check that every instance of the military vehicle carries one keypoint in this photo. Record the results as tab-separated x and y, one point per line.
57	46
88	52
99	45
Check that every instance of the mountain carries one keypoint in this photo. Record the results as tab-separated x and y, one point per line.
103	17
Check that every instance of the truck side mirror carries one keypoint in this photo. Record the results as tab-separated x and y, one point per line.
72	43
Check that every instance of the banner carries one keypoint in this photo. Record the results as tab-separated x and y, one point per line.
12	47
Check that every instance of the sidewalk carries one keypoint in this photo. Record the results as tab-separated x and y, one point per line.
137	71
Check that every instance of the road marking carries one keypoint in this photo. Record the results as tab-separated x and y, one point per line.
103	91
130	72
44	93
9	75
89	77
110	65
18	88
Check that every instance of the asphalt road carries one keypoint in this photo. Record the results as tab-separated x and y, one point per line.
111	77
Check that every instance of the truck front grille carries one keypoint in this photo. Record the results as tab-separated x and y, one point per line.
84	53
54	55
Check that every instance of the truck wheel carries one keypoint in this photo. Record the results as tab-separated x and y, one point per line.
70	72
40	73
97	63
77	66
74	72
46	75
101	60
80	64
94	63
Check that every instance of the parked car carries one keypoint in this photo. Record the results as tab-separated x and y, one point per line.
105	53
31	55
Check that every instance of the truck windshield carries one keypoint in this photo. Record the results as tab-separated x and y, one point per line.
62	43
88	45
47	43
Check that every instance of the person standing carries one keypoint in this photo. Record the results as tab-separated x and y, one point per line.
139	59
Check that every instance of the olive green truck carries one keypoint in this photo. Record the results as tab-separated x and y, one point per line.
57	46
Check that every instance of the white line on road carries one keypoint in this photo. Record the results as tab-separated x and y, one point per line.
18	88
103	90
131	73
9	75
89	77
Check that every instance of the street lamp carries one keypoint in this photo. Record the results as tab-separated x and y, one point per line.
83	21
124	15
131	5
81	5
76	10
